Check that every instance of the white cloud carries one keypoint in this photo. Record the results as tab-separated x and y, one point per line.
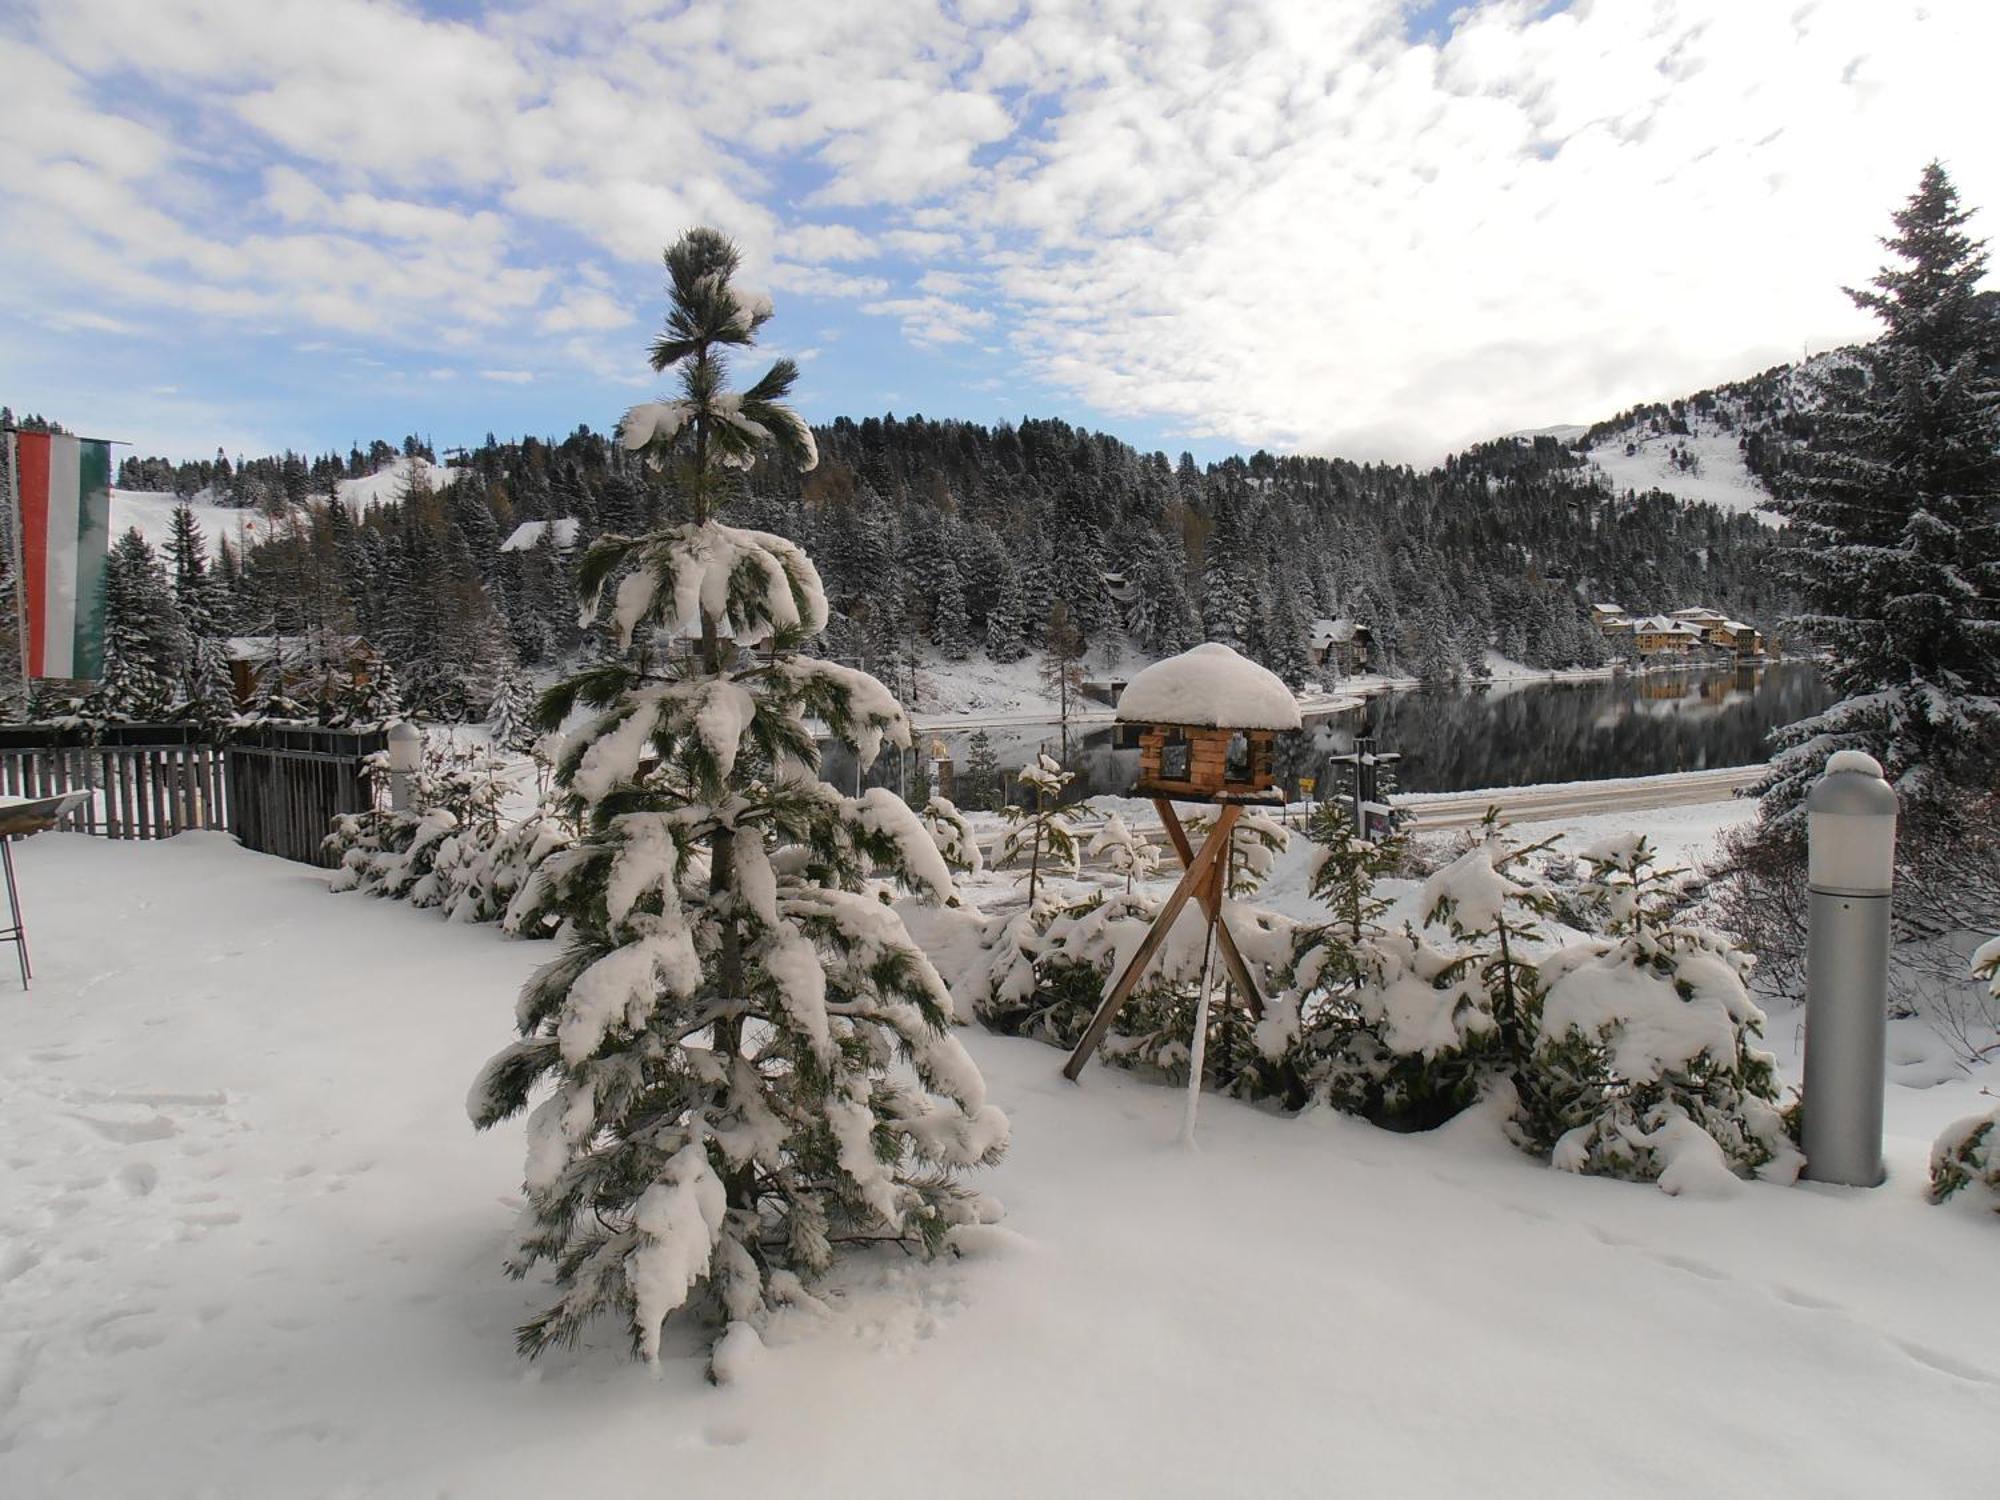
817	242
817	281
930	319
509	377
1278	222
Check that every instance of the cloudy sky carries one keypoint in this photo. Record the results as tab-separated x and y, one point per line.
1378	228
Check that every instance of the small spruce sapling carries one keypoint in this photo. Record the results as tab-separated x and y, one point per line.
1967	1154
952	833
1644	1064
1124	851
1041	830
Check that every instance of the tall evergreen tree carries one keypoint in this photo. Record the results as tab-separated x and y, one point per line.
145	643
722	1032
1896	524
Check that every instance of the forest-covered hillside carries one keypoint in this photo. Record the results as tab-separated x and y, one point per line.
939	539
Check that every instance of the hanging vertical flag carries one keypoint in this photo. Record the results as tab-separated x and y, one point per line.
63	519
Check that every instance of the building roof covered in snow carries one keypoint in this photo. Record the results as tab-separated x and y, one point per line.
1667	625
327	645
1209	687
1326	633
1607	609
528	535
1699	613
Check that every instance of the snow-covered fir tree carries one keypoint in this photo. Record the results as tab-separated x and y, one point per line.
1124	851
1040	831
724	1028
145	642
198	596
1895	517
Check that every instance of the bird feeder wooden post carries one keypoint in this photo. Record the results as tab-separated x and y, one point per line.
1211	721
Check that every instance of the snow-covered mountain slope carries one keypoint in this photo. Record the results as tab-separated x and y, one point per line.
1717	447
152	511
390	482
1704	465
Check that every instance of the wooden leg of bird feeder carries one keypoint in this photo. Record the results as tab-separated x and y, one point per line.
1190	882
1211	902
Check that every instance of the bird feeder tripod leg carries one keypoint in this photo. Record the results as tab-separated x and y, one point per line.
1211	902
1198	867
20	929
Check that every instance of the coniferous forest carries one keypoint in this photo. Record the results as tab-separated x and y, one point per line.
940	539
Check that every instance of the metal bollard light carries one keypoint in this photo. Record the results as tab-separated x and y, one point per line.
1850	870
406	753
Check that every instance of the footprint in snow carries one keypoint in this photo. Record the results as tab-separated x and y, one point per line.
139	1178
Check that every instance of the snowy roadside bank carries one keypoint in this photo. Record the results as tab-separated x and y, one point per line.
250	1247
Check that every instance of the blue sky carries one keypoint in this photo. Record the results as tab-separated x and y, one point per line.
1356	226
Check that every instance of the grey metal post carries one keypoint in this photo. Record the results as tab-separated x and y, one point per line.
406	749
1851	861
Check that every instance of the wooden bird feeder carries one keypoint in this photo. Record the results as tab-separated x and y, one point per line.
1210	721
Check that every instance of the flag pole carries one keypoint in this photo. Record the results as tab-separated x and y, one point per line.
20	563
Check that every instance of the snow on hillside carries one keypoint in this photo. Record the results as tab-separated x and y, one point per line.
152	511
1705	466
388	483
250	1246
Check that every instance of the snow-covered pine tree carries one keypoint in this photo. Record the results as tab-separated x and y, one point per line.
196	589
979	782
1124	851
510	717
722	1027
1041	830
1062	666
1895	516
1006	623
952	627
145	643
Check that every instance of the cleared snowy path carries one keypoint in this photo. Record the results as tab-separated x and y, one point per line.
249	1247
1534	804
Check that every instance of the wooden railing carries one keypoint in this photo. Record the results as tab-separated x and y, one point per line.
276	787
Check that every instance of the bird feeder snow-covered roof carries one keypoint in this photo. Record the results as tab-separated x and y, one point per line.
1209	687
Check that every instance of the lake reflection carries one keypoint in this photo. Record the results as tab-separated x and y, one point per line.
1457	739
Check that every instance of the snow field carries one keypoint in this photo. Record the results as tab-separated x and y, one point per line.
249	1246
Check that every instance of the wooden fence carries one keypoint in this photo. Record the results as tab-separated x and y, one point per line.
277	788
286	785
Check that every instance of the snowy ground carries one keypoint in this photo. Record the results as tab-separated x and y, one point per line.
249	1247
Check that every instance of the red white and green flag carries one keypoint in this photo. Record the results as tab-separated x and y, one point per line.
63	520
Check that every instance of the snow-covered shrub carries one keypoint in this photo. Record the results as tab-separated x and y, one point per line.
1040	832
741	1059
498	882
1393	1026
1967	1155
1123	851
1051	965
1644	1064
1254	846
952	833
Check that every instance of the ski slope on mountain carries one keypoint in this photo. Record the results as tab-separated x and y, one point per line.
250	1247
152	511
1704	467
